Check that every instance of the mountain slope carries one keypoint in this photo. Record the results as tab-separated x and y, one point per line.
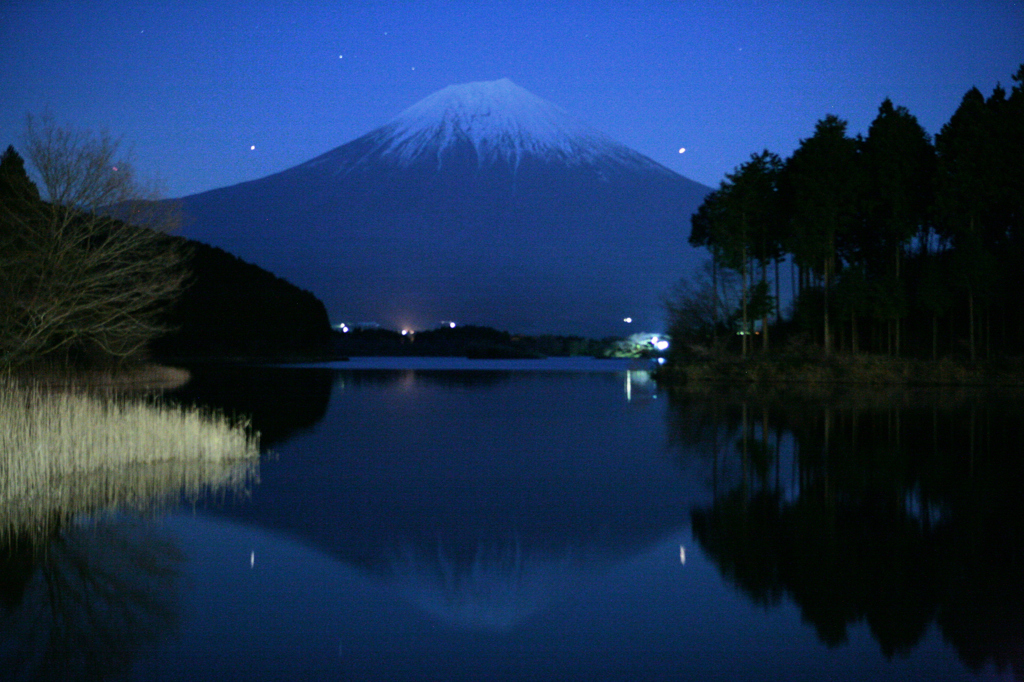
482	204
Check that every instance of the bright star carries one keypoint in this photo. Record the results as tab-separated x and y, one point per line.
682	149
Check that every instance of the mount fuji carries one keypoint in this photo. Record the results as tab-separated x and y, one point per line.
482	204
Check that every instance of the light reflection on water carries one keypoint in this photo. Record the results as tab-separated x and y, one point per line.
488	524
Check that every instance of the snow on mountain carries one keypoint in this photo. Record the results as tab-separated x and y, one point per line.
501	121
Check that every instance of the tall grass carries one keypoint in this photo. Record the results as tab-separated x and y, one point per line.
69	452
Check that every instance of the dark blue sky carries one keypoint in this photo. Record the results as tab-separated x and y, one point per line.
193	86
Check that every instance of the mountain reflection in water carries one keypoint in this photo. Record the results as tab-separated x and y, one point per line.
899	512
497	590
453	487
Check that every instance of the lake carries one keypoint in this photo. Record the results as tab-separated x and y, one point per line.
444	519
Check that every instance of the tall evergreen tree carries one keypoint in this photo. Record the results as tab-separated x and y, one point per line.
703	233
755	193
18	198
899	168
738	222
965	187
822	176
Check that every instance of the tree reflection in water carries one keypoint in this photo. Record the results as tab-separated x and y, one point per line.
86	588
83	603
897	511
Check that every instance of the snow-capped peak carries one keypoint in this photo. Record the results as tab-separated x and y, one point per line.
502	121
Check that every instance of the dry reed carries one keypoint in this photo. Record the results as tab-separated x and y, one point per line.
65	453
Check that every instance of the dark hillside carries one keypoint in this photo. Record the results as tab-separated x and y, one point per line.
234	309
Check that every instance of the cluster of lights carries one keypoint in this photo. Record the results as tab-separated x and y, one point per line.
345	328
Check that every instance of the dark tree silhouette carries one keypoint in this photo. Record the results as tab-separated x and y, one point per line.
823	177
893	236
237	310
899	163
75	283
739	222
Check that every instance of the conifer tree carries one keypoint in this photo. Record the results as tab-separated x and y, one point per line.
899	166
15	185
822	175
738	222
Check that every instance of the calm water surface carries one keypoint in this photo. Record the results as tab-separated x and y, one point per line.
476	521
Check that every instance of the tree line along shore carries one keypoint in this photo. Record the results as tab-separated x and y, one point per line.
801	372
891	244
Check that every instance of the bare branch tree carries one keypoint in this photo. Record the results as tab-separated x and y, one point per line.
695	309
86	269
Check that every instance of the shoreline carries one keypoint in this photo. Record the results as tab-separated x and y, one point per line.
842	371
145	377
